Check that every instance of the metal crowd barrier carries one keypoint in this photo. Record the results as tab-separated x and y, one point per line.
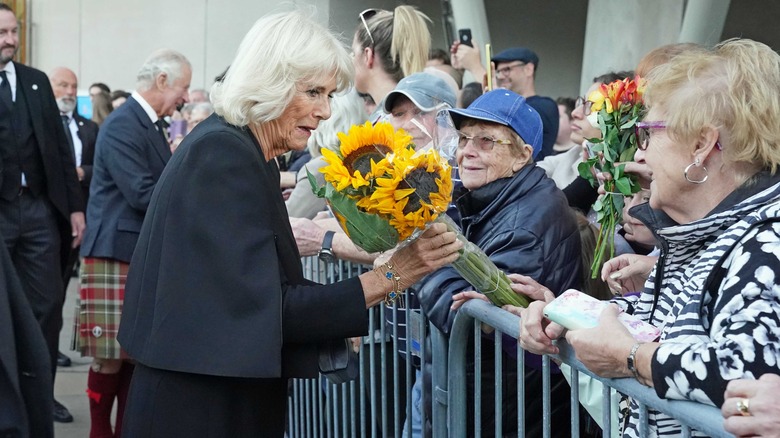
379	401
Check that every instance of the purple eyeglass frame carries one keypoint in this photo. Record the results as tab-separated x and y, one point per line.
659	125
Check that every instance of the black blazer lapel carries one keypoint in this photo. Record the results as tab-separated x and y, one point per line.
32	94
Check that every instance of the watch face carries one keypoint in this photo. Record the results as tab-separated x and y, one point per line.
326	255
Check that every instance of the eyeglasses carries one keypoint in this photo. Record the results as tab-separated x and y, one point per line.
583	102
364	17
642	130
482	142
503	71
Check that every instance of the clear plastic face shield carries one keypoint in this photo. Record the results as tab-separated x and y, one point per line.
420	124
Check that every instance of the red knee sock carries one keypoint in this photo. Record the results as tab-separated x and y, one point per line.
101	390
126	374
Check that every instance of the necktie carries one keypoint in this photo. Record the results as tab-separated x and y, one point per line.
162	126
66	125
5	91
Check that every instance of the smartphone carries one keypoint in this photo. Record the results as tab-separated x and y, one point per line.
464	36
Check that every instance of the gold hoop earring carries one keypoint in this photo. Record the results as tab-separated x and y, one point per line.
694	181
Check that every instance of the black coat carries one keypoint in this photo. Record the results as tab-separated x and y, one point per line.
215	285
25	371
62	183
87	132
523	223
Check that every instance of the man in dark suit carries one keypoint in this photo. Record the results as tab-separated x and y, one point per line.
41	206
82	135
131	153
25	378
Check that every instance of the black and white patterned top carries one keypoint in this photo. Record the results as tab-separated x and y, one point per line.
718	304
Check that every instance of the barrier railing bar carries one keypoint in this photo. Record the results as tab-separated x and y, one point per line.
440	379
477	379
703	418
575	403
606	416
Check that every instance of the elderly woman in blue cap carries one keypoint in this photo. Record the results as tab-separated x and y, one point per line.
521	220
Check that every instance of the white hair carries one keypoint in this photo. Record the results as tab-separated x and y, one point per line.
346	110
161	61
204	107
279	52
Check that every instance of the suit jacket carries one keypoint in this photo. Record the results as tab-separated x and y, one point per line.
216	285
130	156
25	369
62	184
87	132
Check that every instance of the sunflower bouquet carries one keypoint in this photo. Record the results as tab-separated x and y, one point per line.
618	106
380	189
383	192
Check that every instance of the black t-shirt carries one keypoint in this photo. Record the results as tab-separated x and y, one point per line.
548	111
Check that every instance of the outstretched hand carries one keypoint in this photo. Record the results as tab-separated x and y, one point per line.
627	272
435	248
525	285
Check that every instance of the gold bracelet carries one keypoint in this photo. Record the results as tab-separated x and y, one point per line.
396	294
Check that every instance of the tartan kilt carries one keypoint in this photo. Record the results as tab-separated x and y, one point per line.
101	296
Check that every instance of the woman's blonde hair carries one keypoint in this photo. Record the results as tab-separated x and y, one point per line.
734	87
400	39
279	52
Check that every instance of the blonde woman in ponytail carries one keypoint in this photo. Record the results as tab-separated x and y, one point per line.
388	46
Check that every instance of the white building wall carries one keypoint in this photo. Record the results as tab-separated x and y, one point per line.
108	40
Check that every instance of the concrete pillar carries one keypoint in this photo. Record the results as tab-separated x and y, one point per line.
703	22
619	32
471	14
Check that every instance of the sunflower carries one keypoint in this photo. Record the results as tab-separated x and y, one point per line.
361	156
414	193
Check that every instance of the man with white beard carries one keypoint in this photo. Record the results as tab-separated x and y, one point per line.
82	135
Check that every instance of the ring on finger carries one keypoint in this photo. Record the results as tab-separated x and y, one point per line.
743	407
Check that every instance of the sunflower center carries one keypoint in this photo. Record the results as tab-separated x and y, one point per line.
360	159
424	184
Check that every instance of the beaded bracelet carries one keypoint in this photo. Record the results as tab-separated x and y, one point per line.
396	294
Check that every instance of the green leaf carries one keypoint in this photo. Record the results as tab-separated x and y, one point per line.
318	191
368	231
628	124
628	154
623	185
618	171
584	169
598	205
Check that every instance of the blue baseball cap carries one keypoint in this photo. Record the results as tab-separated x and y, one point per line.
523	54
505	108
425	90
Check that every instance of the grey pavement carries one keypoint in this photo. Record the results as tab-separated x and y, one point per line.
70	384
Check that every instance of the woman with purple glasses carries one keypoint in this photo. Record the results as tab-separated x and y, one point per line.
710	137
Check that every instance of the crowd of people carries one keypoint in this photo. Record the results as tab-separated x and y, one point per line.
186	212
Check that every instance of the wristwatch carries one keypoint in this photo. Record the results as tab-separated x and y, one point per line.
631	360
326	252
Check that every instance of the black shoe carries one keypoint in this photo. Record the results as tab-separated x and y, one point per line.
62	359
61	414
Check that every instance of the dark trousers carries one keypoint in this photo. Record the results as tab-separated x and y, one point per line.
29	228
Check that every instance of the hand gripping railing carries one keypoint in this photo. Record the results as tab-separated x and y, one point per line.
703	418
